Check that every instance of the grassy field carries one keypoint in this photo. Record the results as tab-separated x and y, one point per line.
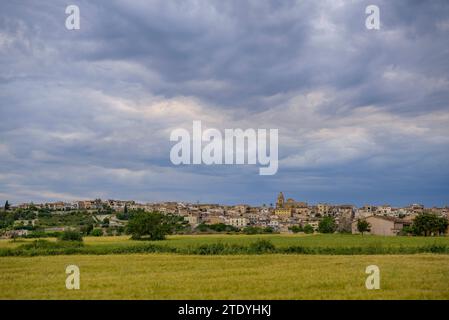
238	276
279	240
168	276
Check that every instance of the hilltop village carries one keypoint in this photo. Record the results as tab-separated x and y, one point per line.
283	216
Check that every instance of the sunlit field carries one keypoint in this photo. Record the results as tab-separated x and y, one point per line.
170	276
280	240
234	276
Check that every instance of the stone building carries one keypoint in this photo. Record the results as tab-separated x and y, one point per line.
382	226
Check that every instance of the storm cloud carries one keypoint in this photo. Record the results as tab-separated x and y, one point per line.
363	115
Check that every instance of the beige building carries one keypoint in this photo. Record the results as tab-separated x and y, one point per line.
192	220
213	219
238	222
323	208
384	210
242	208
382	226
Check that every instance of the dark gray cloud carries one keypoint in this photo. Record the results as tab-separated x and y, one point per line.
363	115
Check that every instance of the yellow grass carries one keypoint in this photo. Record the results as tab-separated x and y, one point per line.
163	276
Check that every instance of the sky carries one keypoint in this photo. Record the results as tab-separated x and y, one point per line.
363	115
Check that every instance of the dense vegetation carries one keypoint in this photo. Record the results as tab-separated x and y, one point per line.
71	235
153	225
217	227
327	225
427	224
257	230
240	244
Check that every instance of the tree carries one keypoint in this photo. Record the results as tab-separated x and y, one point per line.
87	229
217	227
268	229
105	223
426	224
70	235
327	225
308	229
363	226
295	229
252	230
105	209
154	225
97	232
257	230
7	205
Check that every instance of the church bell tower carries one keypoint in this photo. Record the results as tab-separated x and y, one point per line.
280	201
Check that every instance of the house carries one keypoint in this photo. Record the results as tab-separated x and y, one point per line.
365	211
238	222
384	210
193	220
382	226
56	206
16	233
242	208
85	205
273	224
212	219
323	208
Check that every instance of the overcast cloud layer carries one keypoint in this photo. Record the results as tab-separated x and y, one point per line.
363	116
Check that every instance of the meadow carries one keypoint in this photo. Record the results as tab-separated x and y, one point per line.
194	267
236	244
271	276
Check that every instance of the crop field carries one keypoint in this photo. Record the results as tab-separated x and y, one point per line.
232	276
273	276
279	240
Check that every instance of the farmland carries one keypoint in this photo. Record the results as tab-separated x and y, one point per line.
166	276
232	276
241	244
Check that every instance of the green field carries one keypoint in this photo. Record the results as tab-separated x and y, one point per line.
279	240
234	276
161	276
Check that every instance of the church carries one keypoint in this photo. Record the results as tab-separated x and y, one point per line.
285	209
281	209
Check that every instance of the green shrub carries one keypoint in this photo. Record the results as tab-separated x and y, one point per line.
436	248
71	236
327	225
42	234
296	250
308	229
97	232
253	230
217	227
295	229
261	246
211	249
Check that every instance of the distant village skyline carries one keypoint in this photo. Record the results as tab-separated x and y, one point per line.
280	215
267	203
